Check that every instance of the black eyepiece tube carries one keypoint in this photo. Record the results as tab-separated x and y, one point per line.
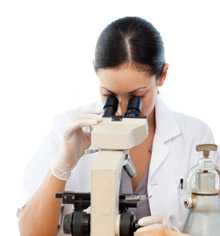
134	107
111	106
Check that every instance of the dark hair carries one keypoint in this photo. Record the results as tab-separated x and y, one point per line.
130	40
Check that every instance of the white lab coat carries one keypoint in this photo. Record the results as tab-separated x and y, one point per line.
173	156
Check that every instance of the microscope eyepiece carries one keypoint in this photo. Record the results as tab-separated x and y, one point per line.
111	106
134	107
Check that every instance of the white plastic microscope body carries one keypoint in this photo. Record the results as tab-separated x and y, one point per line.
113	139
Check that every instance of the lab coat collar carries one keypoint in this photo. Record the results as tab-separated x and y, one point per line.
166	125
167	129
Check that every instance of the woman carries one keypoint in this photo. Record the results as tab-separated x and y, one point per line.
129	61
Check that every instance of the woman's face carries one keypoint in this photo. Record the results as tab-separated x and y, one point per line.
126	82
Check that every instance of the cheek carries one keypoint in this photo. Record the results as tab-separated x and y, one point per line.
148	103
103	99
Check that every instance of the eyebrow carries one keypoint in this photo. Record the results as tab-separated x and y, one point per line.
128	92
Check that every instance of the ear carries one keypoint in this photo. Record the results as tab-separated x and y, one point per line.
163	75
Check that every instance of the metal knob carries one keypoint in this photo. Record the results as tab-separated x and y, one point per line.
206	148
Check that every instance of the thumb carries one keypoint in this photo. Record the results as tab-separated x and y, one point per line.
151	228
149	220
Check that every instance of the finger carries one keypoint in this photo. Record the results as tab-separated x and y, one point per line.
148	220
86	123
91	116
80	124
151	228
173	233
87	129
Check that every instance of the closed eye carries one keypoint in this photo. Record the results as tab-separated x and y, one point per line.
107	94
140	94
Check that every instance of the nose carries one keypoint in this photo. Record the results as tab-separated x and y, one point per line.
122	106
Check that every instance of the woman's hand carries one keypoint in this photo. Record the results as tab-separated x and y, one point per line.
158	232
75	142
156	226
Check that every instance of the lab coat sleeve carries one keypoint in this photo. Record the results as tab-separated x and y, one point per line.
38	167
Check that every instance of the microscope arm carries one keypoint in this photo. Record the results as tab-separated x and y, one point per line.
106	173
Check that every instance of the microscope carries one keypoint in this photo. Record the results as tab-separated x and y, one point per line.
112	138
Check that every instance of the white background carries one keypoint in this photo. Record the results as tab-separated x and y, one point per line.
46	54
